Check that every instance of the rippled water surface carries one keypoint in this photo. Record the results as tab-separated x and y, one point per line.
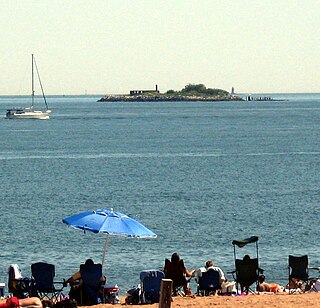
197	174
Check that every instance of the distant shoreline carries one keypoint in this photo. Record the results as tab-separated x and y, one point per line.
167	98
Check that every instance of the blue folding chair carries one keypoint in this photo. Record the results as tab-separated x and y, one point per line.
150	286
209	283
91	284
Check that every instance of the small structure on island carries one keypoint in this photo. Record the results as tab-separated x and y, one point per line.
141	92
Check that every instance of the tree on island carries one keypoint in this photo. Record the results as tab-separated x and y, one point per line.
198	90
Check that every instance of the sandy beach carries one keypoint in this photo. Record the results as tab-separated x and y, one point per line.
249	301
261	300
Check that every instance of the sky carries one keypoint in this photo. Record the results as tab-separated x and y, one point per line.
114	46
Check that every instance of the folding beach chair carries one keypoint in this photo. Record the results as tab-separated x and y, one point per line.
209	283
176	273
247	270
43	284
91	284
247	273
150	281
17	285
299	273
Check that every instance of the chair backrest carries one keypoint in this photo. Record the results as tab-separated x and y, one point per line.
175	272
14	271
91	275
210	280
43	276
14	274
150	285
247	271
298	267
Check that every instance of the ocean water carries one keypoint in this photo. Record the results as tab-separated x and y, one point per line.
198	174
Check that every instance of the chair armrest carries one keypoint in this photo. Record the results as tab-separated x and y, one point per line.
62	283
232	273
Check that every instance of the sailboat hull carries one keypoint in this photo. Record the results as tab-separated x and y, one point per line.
27	114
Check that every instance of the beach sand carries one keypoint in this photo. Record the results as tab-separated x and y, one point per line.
249	301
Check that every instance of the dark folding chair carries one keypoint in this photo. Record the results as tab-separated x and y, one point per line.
209	283
150	286
247	273
43	284
299	273
176	272
91	284
247	270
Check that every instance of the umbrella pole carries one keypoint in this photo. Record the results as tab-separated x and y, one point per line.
105	249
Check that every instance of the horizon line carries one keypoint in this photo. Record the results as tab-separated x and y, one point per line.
100	94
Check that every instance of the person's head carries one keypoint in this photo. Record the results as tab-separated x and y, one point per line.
175	258
89	262
208	264
246	258
262	278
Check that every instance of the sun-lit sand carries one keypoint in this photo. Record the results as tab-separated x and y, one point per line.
261	300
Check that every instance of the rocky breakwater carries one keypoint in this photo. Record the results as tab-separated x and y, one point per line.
166	98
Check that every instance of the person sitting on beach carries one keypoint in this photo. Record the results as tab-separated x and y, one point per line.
15	302
267	287
178	273
209	265
75	282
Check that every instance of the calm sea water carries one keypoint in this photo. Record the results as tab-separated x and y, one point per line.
197	174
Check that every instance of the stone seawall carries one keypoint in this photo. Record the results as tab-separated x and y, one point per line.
166	98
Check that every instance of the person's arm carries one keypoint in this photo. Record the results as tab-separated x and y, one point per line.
222	277
189	273
73	278
103	279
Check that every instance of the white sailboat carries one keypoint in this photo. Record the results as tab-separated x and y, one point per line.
30	112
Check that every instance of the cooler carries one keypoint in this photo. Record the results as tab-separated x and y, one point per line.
110	294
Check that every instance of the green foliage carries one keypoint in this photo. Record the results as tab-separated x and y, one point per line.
194	88
198	90
171	92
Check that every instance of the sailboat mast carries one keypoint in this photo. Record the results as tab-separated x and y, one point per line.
32	83
44	97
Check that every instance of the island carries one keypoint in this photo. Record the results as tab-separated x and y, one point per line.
191	92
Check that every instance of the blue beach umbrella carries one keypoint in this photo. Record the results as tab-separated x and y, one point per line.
108	222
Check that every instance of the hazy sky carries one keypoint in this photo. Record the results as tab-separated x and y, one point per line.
112	46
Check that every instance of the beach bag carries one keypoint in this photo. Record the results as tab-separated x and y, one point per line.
133	296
